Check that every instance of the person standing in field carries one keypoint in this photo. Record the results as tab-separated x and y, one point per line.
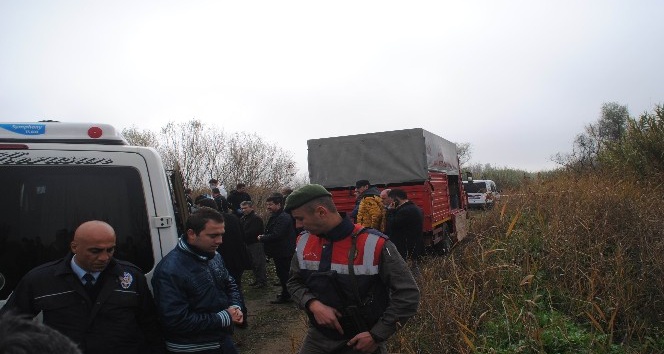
237	196
197	298
370	208
214	183
405	225
279	243
222	204
253	226
354	286
387	205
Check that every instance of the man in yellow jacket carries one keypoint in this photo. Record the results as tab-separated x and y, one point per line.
370	211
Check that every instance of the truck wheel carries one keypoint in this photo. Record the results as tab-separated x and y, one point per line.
443	247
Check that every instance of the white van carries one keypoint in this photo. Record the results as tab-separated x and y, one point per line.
481	193
54	176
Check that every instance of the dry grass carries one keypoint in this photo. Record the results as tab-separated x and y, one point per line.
564	265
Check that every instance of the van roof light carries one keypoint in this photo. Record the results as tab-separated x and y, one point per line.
58	132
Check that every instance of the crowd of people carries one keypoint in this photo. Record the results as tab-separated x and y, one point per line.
350	274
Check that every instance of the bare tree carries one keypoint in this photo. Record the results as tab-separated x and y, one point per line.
137	137
253	161
464	150
206	152
188	144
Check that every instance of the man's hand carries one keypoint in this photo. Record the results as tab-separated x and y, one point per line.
363	342
236	315
325	316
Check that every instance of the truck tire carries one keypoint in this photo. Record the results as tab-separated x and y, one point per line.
443	247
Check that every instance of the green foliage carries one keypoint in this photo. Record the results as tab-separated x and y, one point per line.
611	124
609	128
641	149
505	178
620	144
555	333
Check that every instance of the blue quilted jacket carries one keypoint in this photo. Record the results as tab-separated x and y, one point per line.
192	292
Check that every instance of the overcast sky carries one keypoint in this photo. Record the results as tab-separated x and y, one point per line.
518	80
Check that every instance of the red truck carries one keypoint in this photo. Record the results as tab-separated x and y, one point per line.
421	163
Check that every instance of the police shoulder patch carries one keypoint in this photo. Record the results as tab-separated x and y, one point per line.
126	279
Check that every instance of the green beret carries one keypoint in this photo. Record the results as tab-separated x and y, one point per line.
305	194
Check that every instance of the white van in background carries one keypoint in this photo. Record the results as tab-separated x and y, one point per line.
55	176
481	193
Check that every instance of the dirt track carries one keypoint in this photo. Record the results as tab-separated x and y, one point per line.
273	328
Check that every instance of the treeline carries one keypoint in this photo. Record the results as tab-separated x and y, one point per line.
620	144
571	264
204	152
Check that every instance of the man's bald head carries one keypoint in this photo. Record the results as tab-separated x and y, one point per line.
93	245
93	229
385	197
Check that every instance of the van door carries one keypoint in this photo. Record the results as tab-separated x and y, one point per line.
47	193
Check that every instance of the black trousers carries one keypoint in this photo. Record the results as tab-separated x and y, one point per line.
282	267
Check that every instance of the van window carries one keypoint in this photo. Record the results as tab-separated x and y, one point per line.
475	187
41	206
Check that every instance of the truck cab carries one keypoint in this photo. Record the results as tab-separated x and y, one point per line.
55	176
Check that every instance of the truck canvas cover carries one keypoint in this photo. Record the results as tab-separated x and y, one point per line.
398	156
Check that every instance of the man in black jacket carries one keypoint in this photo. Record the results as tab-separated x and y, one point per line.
253	226
101	303
404	225
237	196
220	200
279	242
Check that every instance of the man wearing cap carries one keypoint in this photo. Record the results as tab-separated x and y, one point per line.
351	307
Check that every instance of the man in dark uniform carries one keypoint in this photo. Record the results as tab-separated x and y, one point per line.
101	303
404	222
352	307
279	242
252	224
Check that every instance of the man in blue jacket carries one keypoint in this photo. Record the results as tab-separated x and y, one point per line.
197	299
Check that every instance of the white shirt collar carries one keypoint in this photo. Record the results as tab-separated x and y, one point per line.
80	272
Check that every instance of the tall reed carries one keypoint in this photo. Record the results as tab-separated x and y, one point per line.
568	264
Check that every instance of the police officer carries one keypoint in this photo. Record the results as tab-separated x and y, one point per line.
101	303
